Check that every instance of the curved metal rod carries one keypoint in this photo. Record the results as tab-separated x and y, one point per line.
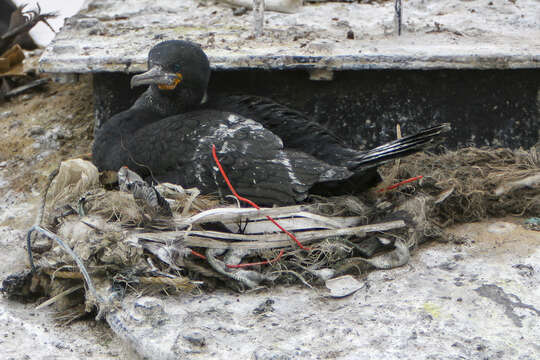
67	249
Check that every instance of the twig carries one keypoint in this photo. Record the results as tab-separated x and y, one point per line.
238	214
21	89
178	282
25	23
41	211
63	274
398	136
59	296
294	222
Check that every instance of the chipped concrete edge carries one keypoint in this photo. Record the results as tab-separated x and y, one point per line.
54	64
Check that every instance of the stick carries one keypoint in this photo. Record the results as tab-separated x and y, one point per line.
57	297
178	282
296	221
237	214
398	161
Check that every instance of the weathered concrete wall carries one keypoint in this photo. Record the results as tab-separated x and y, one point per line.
485	107
115	36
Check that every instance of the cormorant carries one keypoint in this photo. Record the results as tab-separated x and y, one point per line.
272	154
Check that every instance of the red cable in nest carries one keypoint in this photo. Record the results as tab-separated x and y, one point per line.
251	202
401	183
226	178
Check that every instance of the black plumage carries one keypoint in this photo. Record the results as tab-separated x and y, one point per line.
272	154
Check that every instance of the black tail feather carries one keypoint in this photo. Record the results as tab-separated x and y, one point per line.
398	148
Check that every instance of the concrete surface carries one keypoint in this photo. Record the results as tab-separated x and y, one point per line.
116	36
475	301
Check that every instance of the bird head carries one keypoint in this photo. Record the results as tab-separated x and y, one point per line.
176	67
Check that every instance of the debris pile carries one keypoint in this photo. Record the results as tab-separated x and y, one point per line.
14	77
136	230
114	227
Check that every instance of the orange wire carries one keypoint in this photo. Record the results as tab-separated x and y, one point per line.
197	254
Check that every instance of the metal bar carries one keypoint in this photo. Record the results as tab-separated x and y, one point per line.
398	16
258	17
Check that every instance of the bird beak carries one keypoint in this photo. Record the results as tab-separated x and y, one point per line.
156	75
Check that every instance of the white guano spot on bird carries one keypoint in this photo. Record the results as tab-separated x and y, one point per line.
283	159
199	169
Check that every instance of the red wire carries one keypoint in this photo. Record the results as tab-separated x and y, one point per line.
256	207
251	202
228	182
241	198
401	183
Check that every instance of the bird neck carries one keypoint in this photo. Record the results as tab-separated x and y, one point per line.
168	104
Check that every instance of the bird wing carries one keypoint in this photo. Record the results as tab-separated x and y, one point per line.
300	133
293	127
178	149
109	151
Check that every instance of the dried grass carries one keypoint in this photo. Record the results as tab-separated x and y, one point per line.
473	175
115	206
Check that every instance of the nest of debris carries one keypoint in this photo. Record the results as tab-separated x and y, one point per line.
114	228
475	184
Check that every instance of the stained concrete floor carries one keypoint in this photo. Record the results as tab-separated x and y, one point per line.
478	300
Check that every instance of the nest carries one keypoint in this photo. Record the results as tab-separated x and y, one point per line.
477	183
166	238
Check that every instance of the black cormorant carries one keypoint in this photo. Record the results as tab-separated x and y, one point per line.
272	154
